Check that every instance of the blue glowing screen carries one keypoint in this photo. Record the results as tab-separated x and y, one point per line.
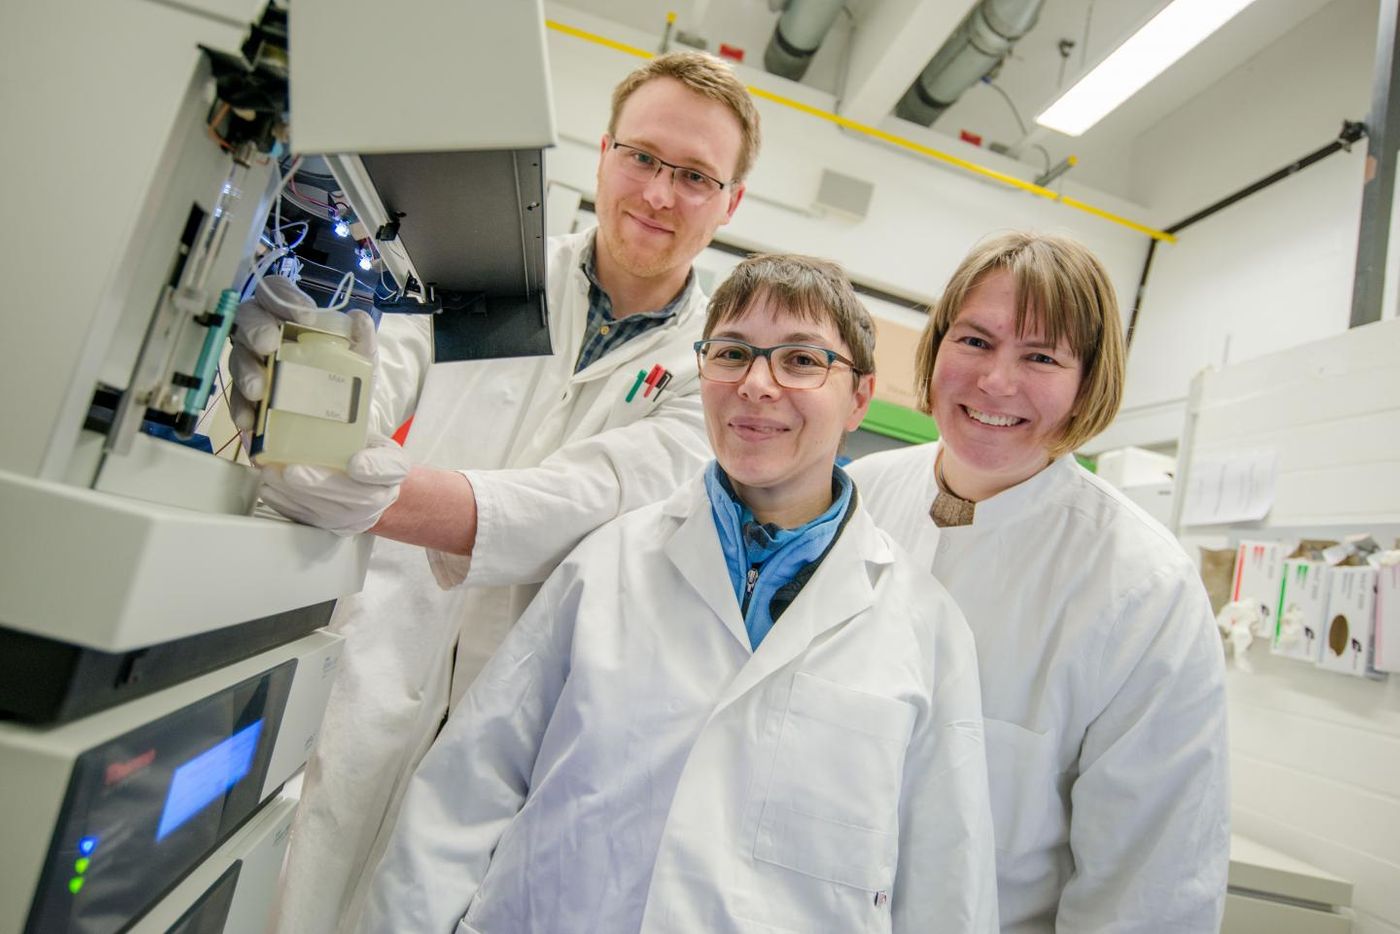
207	776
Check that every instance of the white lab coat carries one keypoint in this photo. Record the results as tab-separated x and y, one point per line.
1103	691
626	763
547	467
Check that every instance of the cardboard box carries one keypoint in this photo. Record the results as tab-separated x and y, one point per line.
1388	618
1302	609
1347	646
1258	578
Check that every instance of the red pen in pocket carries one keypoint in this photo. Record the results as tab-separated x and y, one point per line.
652	378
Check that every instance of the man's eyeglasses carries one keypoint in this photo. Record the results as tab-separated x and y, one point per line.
794	366
691	184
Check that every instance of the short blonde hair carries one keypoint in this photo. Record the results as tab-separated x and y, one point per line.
1061	289
709	77
813	289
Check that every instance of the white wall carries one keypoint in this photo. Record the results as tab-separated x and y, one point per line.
923	217
1314	758
1272	271
1314	755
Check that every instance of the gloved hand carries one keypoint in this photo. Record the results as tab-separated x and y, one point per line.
258	332
344	503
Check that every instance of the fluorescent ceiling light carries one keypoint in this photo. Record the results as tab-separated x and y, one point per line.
1177	29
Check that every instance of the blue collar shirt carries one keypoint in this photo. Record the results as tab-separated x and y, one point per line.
768	565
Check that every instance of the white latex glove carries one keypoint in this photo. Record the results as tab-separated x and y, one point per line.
344	503
258	332
1290	630
1240	640
1235	621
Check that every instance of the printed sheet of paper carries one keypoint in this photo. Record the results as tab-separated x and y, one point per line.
1236	487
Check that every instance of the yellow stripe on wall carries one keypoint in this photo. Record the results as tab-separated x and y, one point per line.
893	139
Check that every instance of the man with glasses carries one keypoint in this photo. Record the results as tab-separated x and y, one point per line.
510	463
740	708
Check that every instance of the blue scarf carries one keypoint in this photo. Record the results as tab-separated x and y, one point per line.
773	556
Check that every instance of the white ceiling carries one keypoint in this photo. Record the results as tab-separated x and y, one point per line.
1031	77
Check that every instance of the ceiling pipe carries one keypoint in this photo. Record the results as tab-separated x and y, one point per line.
798	35
976	47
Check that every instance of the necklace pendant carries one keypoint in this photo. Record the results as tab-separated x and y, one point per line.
948	510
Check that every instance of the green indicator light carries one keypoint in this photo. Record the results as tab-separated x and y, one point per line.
81	865
75	883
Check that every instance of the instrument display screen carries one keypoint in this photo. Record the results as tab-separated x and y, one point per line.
144	807
207	776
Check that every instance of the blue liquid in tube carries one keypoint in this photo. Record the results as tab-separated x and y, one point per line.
206	777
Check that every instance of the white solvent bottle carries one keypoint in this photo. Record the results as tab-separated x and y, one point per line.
317	409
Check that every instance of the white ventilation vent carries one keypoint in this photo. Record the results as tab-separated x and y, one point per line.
843	195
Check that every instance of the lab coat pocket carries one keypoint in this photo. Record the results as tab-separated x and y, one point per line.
832	808
632	399
1024	783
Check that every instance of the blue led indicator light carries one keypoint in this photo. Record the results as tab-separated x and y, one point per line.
87	845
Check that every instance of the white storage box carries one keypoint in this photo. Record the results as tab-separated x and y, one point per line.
1258	577
1351	618
1388	618
1302	609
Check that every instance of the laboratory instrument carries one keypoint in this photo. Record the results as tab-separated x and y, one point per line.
317	410
131	560
159	678
234	891
104	814
214	100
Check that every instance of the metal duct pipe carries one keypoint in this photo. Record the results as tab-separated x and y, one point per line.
798	35
977	46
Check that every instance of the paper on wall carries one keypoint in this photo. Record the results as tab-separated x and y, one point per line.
1236	487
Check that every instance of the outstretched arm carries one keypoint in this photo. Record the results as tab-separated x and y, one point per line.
526	520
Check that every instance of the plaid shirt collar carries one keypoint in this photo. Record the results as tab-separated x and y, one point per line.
603	332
